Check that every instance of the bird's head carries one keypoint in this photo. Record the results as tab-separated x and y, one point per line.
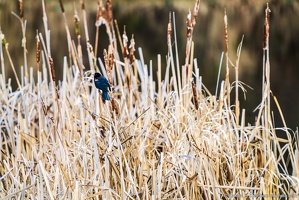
96	76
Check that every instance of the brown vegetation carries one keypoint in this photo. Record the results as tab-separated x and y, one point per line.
165	139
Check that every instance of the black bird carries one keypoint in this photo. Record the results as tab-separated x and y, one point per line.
102	83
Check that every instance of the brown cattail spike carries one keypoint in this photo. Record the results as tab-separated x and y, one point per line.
189	25
266	27
107	61
195	13
115	106
109	15
21	9
125	44
191	19
61	6
52	67
37	48
101	14
195	99
83	5
169	29
225	32
44	107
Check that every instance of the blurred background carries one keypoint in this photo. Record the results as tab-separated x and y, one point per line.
147	20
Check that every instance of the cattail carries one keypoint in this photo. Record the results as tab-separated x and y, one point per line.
5	45
52	67
101	13
21	8
169	30
191	19
109	62
106	60
77	28
53	77
195	99
110	58
115	106
189	25
37	46
227	84
125	44
83	5
44	107
266	27
225	33
132	49
61	6
195	13
109	13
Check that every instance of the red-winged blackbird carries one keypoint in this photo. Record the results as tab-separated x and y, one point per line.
102	83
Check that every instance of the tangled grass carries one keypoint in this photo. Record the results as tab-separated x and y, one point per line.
163	138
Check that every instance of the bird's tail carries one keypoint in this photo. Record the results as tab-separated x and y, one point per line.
105	96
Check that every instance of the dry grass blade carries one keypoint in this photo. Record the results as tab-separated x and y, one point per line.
167	140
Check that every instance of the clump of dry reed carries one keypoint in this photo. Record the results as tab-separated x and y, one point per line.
58	141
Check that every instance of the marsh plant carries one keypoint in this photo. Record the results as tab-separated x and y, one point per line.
161	135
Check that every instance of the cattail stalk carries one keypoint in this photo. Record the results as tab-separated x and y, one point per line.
264	107
72	54
23	27
5	44
227	83
237	103
79	55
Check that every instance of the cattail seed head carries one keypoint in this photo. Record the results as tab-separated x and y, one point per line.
61	6
52	67
195	13
195	95
189	25
83	5
266	27
225	33
37	48
132	49
169	29
21	8
109	14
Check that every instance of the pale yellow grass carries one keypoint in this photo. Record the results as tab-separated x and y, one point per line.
168	138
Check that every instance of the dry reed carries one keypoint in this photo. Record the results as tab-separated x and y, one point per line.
177	141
